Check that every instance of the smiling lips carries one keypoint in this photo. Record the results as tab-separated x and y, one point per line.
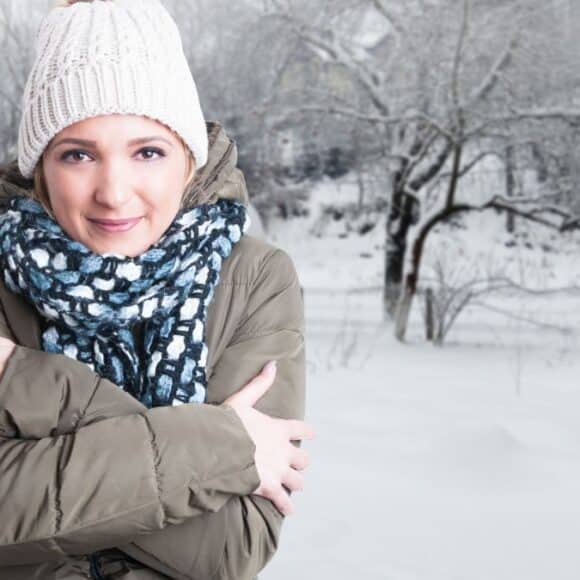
116	225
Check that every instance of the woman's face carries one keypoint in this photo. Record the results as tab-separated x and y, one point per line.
115	182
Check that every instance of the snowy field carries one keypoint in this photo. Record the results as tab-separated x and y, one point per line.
452	463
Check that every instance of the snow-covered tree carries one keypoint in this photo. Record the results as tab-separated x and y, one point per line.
446	89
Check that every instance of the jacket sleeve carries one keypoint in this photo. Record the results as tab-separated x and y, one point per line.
74	479
237	542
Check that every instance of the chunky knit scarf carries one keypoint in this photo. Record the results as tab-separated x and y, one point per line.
90	302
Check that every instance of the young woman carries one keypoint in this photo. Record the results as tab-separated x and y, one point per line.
145	429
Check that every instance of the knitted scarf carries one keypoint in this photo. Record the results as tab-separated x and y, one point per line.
89	302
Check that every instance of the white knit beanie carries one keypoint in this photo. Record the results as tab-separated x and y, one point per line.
105	57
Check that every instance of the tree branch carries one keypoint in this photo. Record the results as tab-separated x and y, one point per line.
488	83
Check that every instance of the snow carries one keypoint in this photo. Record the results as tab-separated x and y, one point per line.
459	462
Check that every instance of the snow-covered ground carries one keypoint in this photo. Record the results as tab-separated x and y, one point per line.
452	463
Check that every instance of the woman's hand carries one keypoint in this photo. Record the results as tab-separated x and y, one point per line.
6	349
278	461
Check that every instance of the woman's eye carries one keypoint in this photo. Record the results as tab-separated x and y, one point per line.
73	154
147	151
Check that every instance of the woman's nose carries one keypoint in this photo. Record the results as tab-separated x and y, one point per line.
113	189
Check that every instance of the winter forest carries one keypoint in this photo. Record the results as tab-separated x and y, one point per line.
419	160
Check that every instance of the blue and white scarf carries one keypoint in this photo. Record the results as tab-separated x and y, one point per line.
89	302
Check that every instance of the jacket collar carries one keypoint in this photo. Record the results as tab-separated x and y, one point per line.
219	178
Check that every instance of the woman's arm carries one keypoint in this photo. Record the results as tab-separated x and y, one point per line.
74	479
238	541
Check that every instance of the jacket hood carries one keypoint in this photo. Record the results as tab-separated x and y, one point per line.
219	178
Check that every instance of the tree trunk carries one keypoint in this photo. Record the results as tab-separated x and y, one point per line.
510	182
399	220
412	277
361	187
404	307
408	292
429	316
540	161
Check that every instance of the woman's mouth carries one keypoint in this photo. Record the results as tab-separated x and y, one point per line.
114	226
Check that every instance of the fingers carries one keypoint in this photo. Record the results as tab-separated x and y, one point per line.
251	393
293	480
300	459
299	430
283	502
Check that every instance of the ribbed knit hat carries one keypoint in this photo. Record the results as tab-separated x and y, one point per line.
105	57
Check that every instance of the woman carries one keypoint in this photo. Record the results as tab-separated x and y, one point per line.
134	442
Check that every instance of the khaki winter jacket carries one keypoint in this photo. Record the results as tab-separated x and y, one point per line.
94	485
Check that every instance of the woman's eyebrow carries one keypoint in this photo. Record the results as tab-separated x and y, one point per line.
140	140
88	143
